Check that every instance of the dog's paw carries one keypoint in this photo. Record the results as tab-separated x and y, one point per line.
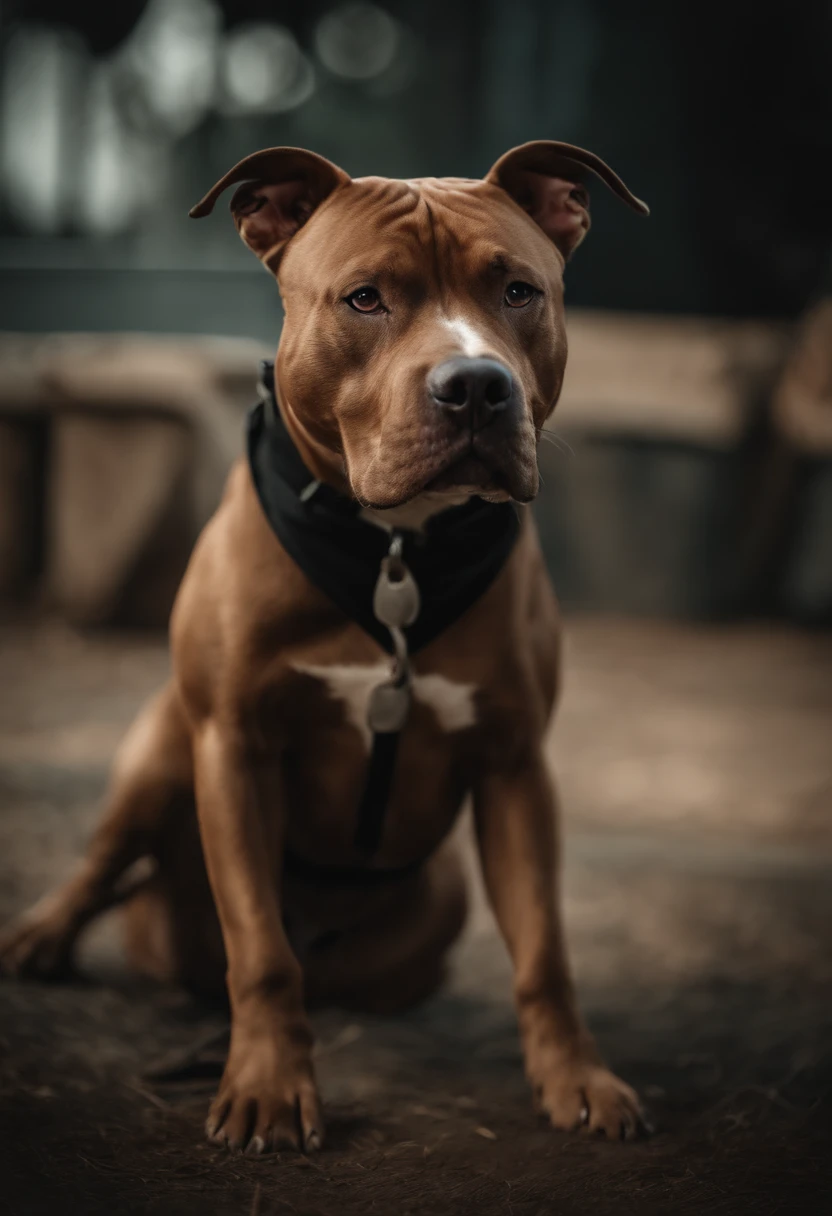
586	1097
37	945
264	1103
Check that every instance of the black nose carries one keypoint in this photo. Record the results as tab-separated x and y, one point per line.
473	391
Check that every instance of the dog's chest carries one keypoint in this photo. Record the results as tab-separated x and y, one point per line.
330	758
451	704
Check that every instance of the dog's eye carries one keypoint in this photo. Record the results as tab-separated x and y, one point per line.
518	295
366	299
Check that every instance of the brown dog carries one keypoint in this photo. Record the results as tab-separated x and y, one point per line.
422	351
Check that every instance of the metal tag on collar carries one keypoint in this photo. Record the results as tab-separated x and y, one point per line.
396	600
390	701
396	603
389	707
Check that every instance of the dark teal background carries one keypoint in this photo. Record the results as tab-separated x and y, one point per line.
719	114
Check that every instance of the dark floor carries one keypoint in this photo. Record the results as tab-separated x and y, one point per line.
696	771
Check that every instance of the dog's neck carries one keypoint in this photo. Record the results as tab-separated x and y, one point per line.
327	468
318	457
415	514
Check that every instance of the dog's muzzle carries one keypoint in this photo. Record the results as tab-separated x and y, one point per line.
473	393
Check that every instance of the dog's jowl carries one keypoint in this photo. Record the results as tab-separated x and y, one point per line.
365	636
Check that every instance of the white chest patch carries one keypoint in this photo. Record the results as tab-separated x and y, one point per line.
451	703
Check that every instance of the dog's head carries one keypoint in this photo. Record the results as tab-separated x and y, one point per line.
423	346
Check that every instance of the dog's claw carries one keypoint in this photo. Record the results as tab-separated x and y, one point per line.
587	1098
215	1121
266	1105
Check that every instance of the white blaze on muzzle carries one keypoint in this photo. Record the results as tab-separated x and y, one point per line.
470	341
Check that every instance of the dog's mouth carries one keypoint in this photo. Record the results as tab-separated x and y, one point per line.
469	473
493	466
472	469
465	477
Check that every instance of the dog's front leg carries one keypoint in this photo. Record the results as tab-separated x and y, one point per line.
267	1096
515	815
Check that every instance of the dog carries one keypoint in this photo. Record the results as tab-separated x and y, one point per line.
365	635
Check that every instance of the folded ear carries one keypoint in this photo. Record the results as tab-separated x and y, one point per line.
548	180
283	186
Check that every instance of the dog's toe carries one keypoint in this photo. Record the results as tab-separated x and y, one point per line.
588	1098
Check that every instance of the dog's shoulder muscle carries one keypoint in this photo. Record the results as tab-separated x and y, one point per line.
243	609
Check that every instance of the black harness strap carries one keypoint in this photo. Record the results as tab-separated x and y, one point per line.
370	824
454	561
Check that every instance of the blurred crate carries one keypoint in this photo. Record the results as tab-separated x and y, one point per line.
644	507
113	453
114	449
802	413
21	457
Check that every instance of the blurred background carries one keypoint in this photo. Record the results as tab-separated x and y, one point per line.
696	406
686	515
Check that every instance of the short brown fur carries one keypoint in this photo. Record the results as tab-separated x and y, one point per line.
246	735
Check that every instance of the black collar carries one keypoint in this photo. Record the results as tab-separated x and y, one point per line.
454	560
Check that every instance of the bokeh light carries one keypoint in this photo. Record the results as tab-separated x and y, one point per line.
264	70
357	41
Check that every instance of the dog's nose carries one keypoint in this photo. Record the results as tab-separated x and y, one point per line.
472	391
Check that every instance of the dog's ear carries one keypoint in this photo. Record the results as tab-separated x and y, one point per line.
548	180
282	187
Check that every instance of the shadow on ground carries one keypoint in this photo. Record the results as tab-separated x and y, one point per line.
701	947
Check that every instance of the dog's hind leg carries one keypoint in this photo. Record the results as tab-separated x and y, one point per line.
171	928
151	772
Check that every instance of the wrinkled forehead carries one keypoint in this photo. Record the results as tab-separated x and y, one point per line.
436	225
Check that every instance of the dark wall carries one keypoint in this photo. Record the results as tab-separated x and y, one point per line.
719	114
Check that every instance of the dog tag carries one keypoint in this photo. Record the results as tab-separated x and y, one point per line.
396	600
388	708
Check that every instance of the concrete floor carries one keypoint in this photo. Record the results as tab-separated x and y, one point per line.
696	773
